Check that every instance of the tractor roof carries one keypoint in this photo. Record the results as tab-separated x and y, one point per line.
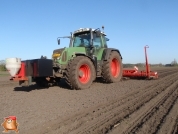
86	29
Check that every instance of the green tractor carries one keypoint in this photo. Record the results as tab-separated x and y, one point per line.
86	58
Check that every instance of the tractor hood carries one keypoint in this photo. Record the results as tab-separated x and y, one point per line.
57	53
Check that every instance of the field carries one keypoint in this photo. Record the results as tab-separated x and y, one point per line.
4	73
130	106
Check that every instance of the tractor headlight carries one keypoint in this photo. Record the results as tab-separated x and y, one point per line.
56	56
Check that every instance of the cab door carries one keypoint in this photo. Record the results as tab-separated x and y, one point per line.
98	46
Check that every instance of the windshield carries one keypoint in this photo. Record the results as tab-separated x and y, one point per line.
82	39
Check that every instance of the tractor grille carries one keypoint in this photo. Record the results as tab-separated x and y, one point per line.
64	56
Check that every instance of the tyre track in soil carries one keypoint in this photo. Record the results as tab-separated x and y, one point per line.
104	117
170	123
130	106
150	118
165	73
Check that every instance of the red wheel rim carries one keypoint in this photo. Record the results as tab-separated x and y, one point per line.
84	74
115	68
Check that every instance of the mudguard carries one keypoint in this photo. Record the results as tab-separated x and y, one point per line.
94	59
107	52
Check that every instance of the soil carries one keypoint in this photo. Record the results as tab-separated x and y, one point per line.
129	106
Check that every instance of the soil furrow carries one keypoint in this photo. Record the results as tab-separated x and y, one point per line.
100	119
163	74
138	118
152	124
176	126
169	124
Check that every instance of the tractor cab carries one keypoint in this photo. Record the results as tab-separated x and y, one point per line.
92	40
87	37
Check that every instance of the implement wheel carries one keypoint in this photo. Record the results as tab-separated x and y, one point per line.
80	73
112	68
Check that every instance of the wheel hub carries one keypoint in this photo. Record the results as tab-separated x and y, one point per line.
80	73
84	73
115	68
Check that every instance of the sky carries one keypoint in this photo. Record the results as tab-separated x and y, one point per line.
29	28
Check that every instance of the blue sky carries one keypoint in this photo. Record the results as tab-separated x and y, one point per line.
29	28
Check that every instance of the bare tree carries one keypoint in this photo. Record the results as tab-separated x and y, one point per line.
174	63
2	65
2	62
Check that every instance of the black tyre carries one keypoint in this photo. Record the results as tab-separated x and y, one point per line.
41	82
80	73
112	68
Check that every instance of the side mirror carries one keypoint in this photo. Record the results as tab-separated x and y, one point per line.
58	41
107	39
98	33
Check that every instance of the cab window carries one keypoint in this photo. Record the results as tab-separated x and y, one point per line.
81	40
105	40
97	41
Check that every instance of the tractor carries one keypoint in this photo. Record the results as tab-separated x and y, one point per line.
86	58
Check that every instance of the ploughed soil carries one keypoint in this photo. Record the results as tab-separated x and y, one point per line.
129	106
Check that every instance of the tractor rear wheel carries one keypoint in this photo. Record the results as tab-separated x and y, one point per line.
112	68
80	73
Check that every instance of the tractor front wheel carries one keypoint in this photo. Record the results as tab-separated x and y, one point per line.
80	73
112	68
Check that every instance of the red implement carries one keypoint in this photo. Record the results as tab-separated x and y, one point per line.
21	74
135	73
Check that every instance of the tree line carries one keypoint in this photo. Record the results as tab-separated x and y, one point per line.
172	64
2	65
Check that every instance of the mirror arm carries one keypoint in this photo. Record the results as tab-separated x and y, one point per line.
58	39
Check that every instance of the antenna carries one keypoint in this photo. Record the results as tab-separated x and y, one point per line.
103	28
